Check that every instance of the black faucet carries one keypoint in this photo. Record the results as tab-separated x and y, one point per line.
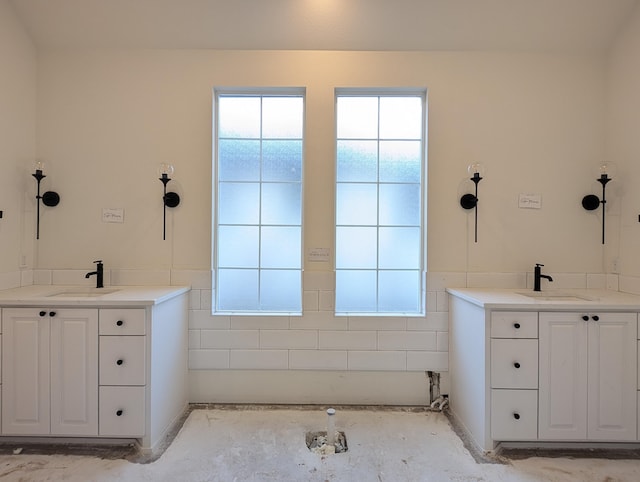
99	272
537	274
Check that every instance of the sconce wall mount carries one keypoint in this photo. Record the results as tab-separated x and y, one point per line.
470	201
49	198
169	199
591	202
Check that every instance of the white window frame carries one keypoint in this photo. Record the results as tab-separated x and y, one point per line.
390	92
251	92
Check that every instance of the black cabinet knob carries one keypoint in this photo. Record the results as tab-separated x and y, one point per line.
516	364
585	318
119	413
516	416
52	313
43	313
120	362
595	317
119	322
516	326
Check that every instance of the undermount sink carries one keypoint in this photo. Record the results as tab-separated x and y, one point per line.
82	293
554	296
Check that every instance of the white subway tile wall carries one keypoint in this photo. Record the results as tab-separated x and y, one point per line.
318	340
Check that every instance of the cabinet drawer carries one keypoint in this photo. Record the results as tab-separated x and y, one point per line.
122	360
514	324
122	412
514	414
125	321
514	363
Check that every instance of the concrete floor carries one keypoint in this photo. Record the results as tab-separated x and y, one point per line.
268	444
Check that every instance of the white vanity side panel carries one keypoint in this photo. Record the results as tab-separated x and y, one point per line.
469	368
168	365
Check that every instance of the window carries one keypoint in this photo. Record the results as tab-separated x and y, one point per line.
379	209
258	201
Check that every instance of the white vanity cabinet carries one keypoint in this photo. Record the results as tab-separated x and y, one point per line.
49	371
588	376
541	372
112	367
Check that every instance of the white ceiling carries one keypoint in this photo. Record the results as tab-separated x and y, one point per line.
516	25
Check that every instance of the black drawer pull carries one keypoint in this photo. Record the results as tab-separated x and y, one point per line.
120	362
585	318
119	413
52	313
595	318
516	416
516	364
516	326
119	322
43	313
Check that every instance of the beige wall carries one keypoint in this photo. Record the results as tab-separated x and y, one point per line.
17	145
623	144
107	118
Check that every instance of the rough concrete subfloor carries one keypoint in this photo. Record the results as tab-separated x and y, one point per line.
268	444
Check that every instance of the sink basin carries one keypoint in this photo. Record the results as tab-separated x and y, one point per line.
82	293
554	296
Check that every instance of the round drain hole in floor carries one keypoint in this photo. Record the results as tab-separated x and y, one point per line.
317	443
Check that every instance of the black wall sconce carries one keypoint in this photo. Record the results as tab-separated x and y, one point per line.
49	198
592	202
169	199
470	201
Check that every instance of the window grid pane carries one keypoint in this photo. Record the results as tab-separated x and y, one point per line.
379	160
259	194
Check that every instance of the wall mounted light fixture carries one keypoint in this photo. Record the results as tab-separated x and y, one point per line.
591	202
470	201
169	199
49	198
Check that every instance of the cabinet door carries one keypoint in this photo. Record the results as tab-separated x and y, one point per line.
25	371
563	377
74	372
612	376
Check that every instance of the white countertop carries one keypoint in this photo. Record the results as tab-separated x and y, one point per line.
65	295
548	300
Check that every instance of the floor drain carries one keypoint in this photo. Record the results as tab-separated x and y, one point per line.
317	443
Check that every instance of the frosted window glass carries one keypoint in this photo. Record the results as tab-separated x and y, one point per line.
399	248
238	203
281	203
238	289
400	161
400	118
400	204
238	246
355	291
282	160
357	117
239	117
356	204
282	117
238	160
280	290
357	161
280	247
356	247
399	291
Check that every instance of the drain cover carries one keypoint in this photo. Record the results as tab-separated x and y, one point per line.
317	443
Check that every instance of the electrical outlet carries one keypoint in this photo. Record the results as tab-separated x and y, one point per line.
614	266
